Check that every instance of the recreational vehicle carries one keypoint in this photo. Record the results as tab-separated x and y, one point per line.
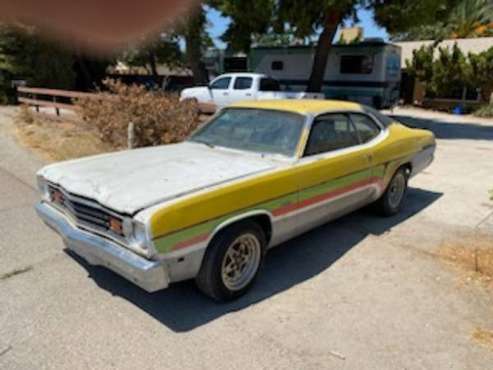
367	72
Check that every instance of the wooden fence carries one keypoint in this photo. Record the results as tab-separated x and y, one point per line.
63	99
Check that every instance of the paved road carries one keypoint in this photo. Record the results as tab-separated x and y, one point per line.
362	292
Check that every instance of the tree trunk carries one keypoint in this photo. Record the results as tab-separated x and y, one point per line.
193	41
153	65
85	80
324	44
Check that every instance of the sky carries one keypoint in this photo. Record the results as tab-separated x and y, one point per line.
218	24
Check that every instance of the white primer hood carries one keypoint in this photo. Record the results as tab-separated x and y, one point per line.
130	181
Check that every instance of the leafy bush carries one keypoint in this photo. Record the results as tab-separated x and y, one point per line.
158	118
447	71
485	111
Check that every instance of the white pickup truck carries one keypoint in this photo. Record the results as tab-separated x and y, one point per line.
231	87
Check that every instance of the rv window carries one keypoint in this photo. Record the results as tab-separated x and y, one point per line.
356	64
277	65
243	83
269	84
221	84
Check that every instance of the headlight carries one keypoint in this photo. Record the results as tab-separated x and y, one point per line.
43	188
138	236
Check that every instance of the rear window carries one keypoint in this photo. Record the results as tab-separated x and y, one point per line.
269	84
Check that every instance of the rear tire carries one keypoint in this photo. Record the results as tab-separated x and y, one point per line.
391	201
232	261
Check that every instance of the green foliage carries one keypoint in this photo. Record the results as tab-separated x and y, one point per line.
401	16
421	66
163	50
455	19
272	39
306	17
471	18
452	71
41	63
481	72
248	20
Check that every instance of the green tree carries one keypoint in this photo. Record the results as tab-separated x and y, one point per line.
162	50
249	19
471	18
481	73
450	72
458	19
193	30
421	65
26	56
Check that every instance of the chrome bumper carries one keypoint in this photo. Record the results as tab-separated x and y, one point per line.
149	275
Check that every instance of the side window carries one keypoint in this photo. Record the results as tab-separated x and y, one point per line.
277	65
356	64
269	84
331	132
366	128
221	84
243	83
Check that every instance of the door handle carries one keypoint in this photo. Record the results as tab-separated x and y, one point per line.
369	157
248	94
225	94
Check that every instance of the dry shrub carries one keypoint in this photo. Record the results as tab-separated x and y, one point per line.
158	118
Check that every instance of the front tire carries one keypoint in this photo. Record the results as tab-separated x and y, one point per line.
391	201
232	261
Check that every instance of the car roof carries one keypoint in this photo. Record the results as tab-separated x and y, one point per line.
301	106
242	74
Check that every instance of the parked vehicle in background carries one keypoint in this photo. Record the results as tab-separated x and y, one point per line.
256	175
368	72
232	87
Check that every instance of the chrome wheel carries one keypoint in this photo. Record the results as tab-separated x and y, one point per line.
241	262
396	190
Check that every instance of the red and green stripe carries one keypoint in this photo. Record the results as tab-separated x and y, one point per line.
278	207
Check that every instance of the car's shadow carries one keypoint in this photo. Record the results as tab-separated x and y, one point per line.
448	130
182	307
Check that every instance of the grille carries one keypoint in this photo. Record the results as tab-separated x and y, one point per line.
85	212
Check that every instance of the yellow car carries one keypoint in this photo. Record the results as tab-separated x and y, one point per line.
256	175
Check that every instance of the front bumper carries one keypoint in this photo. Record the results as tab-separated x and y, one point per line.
149	275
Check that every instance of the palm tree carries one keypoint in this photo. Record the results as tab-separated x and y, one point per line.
471	18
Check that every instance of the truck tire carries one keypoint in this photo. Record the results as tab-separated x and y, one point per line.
232	261
390	202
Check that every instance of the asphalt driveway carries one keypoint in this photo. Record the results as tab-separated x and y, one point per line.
361	292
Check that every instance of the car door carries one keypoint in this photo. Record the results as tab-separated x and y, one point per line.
335	173
242	89
220	91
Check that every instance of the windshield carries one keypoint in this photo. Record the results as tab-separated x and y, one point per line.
256	130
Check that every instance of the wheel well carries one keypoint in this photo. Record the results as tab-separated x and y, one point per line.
263	220
266	225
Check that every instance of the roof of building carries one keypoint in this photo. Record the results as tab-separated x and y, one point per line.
475	46
301	106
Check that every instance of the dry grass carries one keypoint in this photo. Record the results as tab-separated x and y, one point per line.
473	255
484	337
56	139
